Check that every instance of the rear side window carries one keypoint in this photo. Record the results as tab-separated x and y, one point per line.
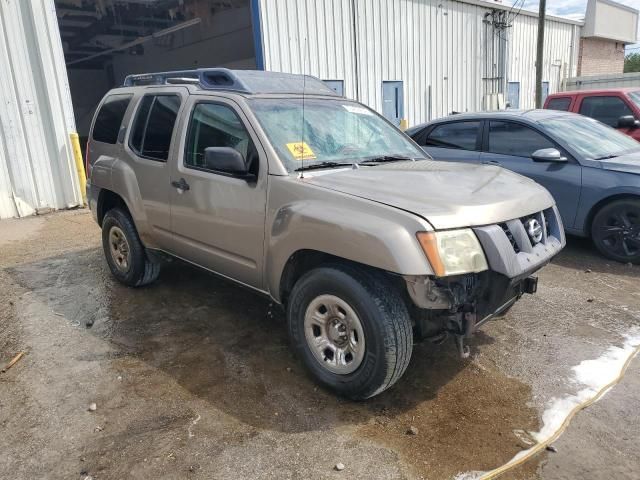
559	103
461	135
153	126
109	118
605	109
514	139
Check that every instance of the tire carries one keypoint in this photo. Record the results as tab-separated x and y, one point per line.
615	230
124	252
383	343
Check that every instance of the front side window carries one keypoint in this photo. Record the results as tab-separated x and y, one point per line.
215	125
509	138
462	135
559	103
327	131
153	126
605	109
109	118
635	97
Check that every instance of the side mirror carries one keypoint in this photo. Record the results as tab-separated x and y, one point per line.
548	155
226	160
628	121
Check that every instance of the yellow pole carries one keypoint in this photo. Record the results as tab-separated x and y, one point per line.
77	155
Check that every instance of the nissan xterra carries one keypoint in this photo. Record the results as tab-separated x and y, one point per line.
317	202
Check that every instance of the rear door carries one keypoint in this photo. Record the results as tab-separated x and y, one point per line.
218	220
510	145
452	141
148	145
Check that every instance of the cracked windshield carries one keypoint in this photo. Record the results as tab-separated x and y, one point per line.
335	132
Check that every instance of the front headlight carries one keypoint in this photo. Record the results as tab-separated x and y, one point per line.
453	252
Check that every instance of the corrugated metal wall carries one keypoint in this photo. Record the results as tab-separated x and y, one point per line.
37	169
561	44
446	52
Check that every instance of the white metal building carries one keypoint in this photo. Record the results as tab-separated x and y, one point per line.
37	168
443	55
409	59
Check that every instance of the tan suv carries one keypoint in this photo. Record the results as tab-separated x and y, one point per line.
273	181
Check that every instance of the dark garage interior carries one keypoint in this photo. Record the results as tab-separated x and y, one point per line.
105	40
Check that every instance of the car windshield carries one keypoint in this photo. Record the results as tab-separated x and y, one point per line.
336	132
635	97
591	139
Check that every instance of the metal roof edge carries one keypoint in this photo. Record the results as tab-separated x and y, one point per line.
529	13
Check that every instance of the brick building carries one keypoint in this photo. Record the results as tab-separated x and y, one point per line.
608	27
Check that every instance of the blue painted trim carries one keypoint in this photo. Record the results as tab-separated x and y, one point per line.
257	33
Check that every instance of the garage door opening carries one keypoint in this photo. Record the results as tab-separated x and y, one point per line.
105	40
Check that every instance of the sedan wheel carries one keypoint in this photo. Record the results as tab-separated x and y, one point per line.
616	230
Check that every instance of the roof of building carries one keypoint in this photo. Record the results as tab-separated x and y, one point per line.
242	81
527	13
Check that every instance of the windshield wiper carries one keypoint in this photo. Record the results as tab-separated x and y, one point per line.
606	157
315	166
386	158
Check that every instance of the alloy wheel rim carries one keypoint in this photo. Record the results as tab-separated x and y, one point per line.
119	248
334	334
620	232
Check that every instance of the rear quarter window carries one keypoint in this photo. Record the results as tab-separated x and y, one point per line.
109	118
559	103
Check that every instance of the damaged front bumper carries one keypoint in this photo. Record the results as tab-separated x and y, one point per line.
458	305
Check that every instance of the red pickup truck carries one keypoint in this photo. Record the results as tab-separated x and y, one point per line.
617	107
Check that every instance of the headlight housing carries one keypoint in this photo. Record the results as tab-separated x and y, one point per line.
453	252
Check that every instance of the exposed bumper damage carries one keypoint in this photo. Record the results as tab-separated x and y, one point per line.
458	305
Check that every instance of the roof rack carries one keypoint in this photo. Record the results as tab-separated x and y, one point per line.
244	81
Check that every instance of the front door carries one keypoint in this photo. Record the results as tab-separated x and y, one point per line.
393	101
510	145
218	219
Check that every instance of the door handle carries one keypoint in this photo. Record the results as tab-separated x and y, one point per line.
180	184
491	162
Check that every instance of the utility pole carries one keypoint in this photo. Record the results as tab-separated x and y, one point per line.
540	52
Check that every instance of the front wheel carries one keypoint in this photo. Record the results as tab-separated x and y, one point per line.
616	230
351	329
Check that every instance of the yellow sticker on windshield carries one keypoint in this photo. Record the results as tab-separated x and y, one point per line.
301	151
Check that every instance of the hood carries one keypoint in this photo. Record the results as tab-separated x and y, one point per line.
629	163
447	195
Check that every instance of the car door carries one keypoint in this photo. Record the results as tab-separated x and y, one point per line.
456	141
217	219
147	145
510	145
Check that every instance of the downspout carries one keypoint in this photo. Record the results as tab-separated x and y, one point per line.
572	49
355	49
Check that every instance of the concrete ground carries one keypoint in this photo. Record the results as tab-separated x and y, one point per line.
192	377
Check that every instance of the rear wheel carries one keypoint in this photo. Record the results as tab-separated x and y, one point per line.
124	252
616	230
351	329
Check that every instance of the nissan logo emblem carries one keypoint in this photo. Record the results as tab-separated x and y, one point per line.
534	230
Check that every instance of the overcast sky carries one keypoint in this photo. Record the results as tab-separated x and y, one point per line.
573	9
